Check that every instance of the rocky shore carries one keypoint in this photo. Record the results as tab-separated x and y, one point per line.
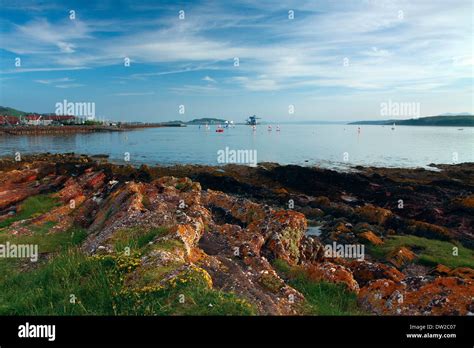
259	234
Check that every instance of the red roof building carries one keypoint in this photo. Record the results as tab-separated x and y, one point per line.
9	120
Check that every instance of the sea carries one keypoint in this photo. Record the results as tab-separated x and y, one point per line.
333	146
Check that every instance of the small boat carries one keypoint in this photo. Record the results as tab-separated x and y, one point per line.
219	129
269	128
460	128
278	128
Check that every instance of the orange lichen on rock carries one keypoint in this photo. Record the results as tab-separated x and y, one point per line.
419	296
371	237
425	229
373	214
460	272
365	272
401	256
332	273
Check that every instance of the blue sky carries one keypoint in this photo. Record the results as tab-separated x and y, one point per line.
336	60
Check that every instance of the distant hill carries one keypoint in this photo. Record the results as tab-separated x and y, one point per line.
456	114
12	112
206	120
455	121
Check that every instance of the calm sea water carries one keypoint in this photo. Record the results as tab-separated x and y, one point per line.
335	146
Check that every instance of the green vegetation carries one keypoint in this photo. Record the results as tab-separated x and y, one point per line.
206	120
322	298
49	289
92	123
47	242
136	237
430	252
189	293
11	112
168	244
31	207
70	282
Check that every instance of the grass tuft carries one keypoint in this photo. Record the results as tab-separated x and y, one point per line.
430	252
31	207
322	298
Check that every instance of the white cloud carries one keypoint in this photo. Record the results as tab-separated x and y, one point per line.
69	85
209	79
257	84
385	50
52	81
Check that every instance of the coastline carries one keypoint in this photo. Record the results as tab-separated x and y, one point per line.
48	130
246	228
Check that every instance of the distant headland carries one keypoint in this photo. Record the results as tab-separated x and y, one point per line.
451	120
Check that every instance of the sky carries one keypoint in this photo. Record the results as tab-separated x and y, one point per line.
281	60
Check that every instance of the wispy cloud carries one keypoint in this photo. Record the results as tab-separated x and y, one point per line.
209	79
372	35
132	94
49	69
330	47
52	81
194	89
69	85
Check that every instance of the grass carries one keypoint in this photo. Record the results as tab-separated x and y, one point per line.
136	238
98	284
44	228
48	290
47	242
322	298
169	245
190	293
430	252
31	207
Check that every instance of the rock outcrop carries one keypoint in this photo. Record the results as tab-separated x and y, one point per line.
231	226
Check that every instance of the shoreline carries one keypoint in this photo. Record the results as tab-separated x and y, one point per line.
47	130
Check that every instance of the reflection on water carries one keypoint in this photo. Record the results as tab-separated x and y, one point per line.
323	145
